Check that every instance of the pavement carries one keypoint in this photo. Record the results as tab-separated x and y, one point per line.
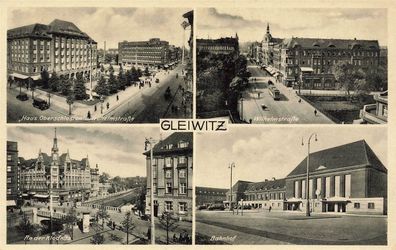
282	227
124	106
290	109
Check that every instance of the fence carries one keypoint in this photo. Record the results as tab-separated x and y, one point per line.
98	206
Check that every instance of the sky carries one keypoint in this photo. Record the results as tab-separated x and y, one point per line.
264	152
112	25
251	24
117	150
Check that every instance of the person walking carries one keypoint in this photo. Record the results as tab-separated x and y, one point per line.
108	105
315	112
118	98
269	209
95	108
89	115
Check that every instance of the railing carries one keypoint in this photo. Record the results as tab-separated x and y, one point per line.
368	113
98	206
47	214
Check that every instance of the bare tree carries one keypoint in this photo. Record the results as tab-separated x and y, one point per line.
127	224
169	223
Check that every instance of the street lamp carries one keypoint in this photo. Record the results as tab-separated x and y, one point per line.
308	213
150	142
101	104
49	99
231	166
90	70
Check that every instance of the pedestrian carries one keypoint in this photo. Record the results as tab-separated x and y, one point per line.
258	94
108	105
269	209
299	101
118	98
315	112
89	115
95	108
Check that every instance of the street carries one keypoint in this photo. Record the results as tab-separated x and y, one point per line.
258	106
281	227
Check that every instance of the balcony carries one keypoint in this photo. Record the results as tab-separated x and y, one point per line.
369	115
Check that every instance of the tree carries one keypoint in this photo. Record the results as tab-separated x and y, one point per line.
134	74
70	101
377	80
98	239
104	177
20	84
54	82
102	214
111	70
66	86
32	85
127	224
141	202
112	84
146	72
128	78
25	227
348	76
70	219
101	88
168	223
79	88
122	81
139	72
45	79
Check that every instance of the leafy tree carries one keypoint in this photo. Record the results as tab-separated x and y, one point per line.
32	85
66	86
102	214
70	219
112	84
139	73
79	88
146	72
25	227
134	74
101	88
98	239
169	223
128	78
377	80
45	79
122	81
111	70
348	76
102	69
104	177
127	224
141	202
54	82
70	101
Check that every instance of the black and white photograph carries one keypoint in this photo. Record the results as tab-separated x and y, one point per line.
292	66
281	186
81	185
101	65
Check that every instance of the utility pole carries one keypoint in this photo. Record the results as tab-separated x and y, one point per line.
308	212
231	166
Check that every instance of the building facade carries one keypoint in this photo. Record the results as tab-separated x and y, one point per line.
172	171
69	180
153	52
344	179
225	45
59	47
207	195
13	185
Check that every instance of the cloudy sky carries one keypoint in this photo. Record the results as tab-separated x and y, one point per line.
117	151
263	153
110	24
251	24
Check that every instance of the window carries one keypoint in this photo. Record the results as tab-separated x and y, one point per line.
168	206
182	159
9	157
182	206
168	174
167	162
155	188
183	188
356	205
9	191
9	180
371	205
168	189
182	173
9	168
183	144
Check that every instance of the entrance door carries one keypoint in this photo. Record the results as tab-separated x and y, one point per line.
156	210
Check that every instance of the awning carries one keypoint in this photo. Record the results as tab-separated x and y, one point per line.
294	200
36	77
334	199
11	203
17	75
306	69
25	195
41	196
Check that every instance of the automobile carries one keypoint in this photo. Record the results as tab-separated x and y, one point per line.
270	82
264	107
157	80
22	97
40	103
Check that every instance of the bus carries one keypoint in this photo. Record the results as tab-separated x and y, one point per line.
274	92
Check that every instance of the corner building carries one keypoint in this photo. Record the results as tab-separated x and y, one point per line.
59	47
172	173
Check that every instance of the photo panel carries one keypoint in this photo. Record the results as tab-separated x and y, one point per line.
84	185
99	65
292	66
281	186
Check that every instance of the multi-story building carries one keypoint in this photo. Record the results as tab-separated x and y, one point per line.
224	45
12	173
59	47
255	52
95	181
69	180
172	170
345	179
318	56
376	113
208	195
153	52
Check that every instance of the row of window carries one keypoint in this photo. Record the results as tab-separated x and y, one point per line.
265	196
169	206
370	205
332	53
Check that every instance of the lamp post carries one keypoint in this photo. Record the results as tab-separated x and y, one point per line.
308	212
101	104
49	99
231	166
150	142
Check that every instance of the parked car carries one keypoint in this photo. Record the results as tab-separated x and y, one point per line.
40	103
270	82
216	207
22	97
157	80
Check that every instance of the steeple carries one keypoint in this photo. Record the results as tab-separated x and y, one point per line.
55	146
236	36
268	28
